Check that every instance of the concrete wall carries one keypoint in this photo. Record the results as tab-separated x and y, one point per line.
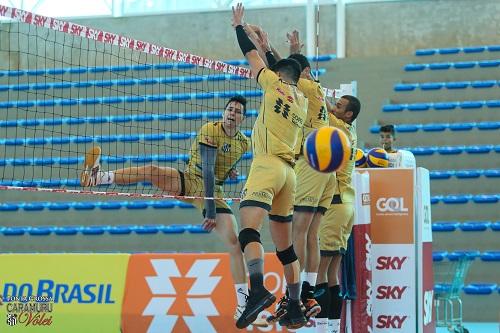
373	29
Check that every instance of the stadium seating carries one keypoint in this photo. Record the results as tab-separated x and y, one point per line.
439	127
457	50
466	105
100	230
426	86
455	65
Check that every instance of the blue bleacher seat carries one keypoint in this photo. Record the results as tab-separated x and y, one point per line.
480	288
110	205
455	199
68	230
163	204
490	256
435	199
461	126
474	226
483	84
473	49
471	104
83	205
431	85
489	63
415	67
93	230
439	65
457	84
493	48
9	207
441	174
120	229
485	198
463	254
450	150
14	231
492	173
184	205
449	50
468	174
439	255
407	128
35	206
59	206
488	125
464	64
146	229
434	127
173	229
137	205
419	106
479	149
425	52
40	231
405	86
444	226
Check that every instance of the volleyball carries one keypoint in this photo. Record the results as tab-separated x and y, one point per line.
326	149
360	158
377	158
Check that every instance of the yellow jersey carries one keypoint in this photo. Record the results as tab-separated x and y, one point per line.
317	115
229	150
282	114
344	187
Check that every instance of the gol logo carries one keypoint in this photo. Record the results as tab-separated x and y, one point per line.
197	297
391	205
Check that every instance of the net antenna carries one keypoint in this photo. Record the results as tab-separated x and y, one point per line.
316	74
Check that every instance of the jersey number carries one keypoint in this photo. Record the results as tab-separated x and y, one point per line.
282	107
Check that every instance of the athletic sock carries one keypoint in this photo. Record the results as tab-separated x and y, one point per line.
311	278
105	178
322	296
241	293
294	291
335	303
256	272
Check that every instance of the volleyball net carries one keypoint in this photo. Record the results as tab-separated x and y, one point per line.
65	88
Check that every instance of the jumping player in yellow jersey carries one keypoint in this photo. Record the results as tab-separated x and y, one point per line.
337	223
314	189
213	157
270	187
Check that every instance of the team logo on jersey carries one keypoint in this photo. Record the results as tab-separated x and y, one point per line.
280	91
226	147
289	99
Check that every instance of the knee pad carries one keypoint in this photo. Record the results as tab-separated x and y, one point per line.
287	256
248	235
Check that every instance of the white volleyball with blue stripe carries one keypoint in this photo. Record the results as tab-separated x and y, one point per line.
327	149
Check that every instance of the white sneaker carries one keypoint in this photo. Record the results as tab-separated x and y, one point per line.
259	322
91	167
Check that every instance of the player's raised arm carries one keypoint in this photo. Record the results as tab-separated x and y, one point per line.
247	46
294	41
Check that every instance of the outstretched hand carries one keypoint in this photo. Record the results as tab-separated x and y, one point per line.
234	173
238	13
208	224
294	41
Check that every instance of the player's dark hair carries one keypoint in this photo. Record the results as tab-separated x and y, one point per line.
388	129
240	99
354	106
301	59
288	67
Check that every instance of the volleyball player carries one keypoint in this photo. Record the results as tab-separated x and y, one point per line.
314	189
387	138
270	187
336	226
213	156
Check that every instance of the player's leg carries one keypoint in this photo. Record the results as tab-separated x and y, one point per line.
165	178
280	228
343	215
256	203
322	294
